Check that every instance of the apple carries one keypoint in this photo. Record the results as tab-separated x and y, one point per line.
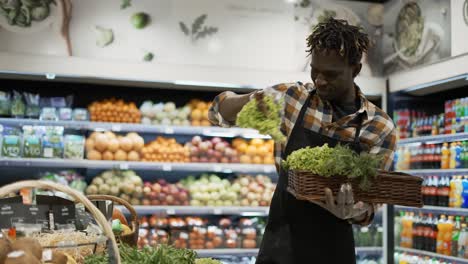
221	146
147	190
209	144
195	159
216	140
210	153
155	202
213	160
224	160
165	189
170	199
218	154
162	182
196	140
235	159
204	159
156	188
145	202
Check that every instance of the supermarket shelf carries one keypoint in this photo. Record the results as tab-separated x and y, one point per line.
126	165
436	171
431	254
369	250
434	139
437	209
200	210
139	128
241	252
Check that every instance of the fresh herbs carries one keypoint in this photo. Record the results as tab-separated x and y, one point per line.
105	36
125	4
140	20
341	160
198	30
22	13
264	115
161	254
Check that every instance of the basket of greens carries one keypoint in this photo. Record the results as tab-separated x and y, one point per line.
311	170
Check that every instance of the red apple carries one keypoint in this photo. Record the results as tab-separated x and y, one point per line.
145	202
224	160
204	159
156	187
155	202
195	159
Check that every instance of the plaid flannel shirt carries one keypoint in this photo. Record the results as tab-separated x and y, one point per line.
377	136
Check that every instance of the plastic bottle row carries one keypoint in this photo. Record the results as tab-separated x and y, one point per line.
446	235
432	156
446	191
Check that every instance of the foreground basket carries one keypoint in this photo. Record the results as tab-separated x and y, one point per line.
78	197
388	187
130	239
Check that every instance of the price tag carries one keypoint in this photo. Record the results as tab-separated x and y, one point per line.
170	211
217	211
167	167
169	130
124	166
116	128
217	168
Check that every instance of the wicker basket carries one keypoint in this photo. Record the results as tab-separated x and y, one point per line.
130	239
388	187
78	197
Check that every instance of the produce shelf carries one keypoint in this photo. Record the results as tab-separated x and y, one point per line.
139	128
241	252
128	165
437	209
199	210
437	171
434	139
369	250
454	260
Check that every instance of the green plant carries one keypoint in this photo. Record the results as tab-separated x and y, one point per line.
198	30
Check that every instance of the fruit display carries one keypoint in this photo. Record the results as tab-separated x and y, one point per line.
163	193
199	114
215	150
165	150
254	191
124	184
210	190
113	110
68	178
164	114
256	151
109	146
200	233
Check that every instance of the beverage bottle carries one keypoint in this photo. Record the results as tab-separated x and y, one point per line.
464	154
409	233
444	192
440	235
462	241
458	151
418	240
398	229
447	239
445	159
435	191
453	153
455	237
426	236
424	190
437	156
458	192
465	192
434	233
452	194
404	232
407	158
435	126
423	156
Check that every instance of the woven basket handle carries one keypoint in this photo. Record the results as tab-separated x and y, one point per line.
14	187
116	200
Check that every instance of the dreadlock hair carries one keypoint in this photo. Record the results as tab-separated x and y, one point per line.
335	34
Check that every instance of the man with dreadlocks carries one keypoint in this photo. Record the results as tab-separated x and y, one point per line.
332	110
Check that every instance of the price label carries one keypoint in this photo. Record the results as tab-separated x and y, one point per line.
169	130
167	167
217	211
116	128
124	166
170	211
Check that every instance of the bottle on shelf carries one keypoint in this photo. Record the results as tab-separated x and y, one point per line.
455	237
443	192
432	244
458	151
445	159
458	192
465	192
441	227
464	152
462	242
433	190
447	238
453	154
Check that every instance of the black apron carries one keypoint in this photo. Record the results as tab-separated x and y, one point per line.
300	232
